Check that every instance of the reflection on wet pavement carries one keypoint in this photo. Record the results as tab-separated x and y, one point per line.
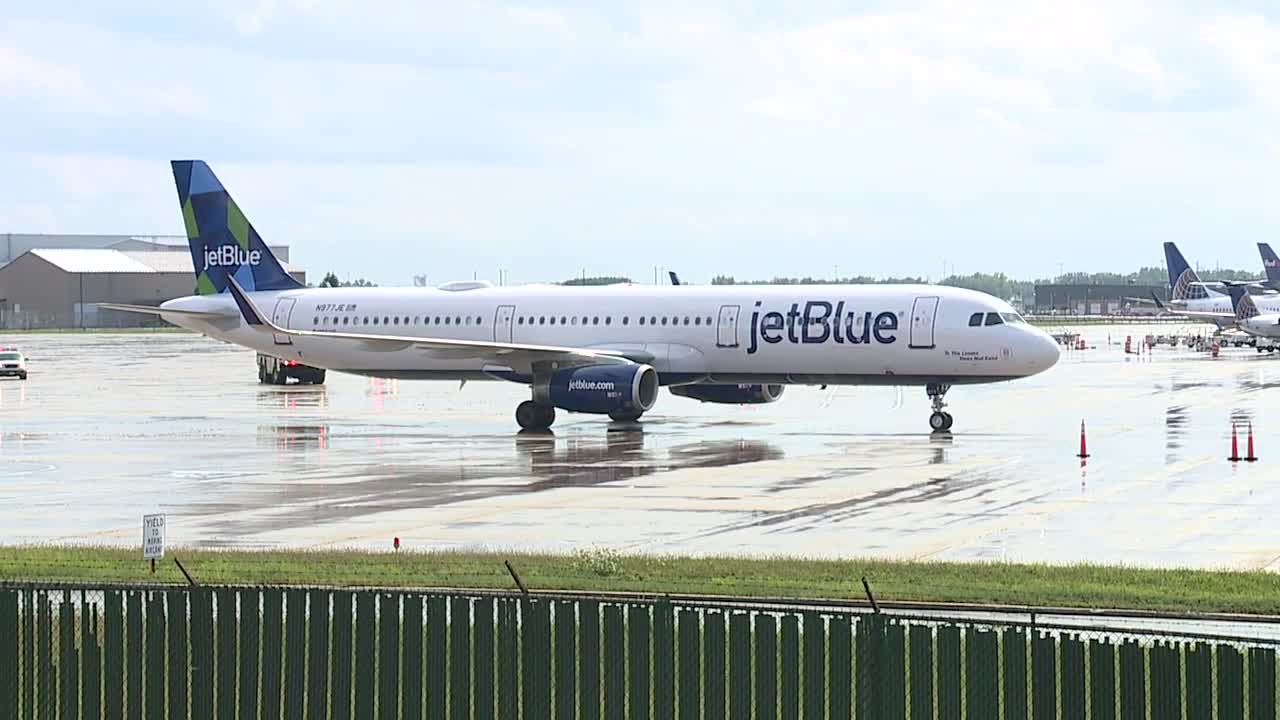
836	472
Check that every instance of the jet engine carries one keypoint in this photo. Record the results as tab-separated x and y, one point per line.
730	394
601	389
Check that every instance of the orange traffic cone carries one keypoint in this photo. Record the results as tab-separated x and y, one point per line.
1249	456
1235	445
1084	444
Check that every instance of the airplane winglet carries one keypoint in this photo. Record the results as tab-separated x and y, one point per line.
1157	299
251	315
675	279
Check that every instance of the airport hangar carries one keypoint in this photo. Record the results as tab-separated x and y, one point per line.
56	281
1098	299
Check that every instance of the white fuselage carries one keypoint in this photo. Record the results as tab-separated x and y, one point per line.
1266	325
1218	303
836	334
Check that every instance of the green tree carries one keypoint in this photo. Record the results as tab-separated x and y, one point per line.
600	280
330	280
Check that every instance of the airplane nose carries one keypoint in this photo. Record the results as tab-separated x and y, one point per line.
1043	353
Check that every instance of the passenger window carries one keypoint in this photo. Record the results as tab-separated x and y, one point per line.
664	319
366	319
607	320
315	321
385	320
708	319
575	320
346	320
520	320
975	320
397	320
542	320
584	319
563	319
697	321
553	319
686	319
446	320
994	319
653	320
625	319
641	319
375	320
457	320
479	320
437	319
595	320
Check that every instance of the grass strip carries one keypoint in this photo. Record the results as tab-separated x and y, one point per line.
1080	586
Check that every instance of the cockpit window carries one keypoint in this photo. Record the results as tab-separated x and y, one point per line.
975	320
994	319
1012	318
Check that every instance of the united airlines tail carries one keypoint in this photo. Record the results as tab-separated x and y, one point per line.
1184	283
1271	264
1242	303
223	243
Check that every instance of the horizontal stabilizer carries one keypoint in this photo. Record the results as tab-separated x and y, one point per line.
157	310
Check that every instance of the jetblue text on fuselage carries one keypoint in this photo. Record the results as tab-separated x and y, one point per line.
230	256
821	322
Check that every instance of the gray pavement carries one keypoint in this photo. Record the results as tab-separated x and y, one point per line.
111	426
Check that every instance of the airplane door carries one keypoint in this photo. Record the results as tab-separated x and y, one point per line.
502	323
727	328
280	318
923	314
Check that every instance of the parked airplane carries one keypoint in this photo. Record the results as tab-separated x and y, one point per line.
604	349
1250	319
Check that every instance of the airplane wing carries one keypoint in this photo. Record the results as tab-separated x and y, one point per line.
497	351
155	310
1215	317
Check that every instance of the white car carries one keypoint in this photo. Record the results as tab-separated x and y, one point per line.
12	364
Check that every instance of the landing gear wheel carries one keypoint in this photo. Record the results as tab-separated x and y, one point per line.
625	415
940	420
532	416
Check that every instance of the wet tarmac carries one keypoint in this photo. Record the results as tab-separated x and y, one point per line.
109	427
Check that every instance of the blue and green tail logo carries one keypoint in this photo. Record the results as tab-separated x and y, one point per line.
223	243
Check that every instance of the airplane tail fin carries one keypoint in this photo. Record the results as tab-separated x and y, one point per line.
1270	263
223	243
1184	283
1242	302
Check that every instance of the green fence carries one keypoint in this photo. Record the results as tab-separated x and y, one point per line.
319	653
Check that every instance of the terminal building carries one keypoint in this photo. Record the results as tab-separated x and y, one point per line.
56	281
1097	299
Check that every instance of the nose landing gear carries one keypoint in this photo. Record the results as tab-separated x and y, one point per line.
940	421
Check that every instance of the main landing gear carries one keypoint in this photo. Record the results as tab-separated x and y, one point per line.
532	416
940	420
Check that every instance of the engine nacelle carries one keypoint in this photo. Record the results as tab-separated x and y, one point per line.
601	389
730	394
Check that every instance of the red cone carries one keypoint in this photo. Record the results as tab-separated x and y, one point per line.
1235	445
1084	444
1249	456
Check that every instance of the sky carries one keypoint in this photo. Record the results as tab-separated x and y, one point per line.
450	139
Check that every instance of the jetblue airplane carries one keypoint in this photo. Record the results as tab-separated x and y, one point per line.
603	350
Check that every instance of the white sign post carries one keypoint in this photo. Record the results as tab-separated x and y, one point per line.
152	538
